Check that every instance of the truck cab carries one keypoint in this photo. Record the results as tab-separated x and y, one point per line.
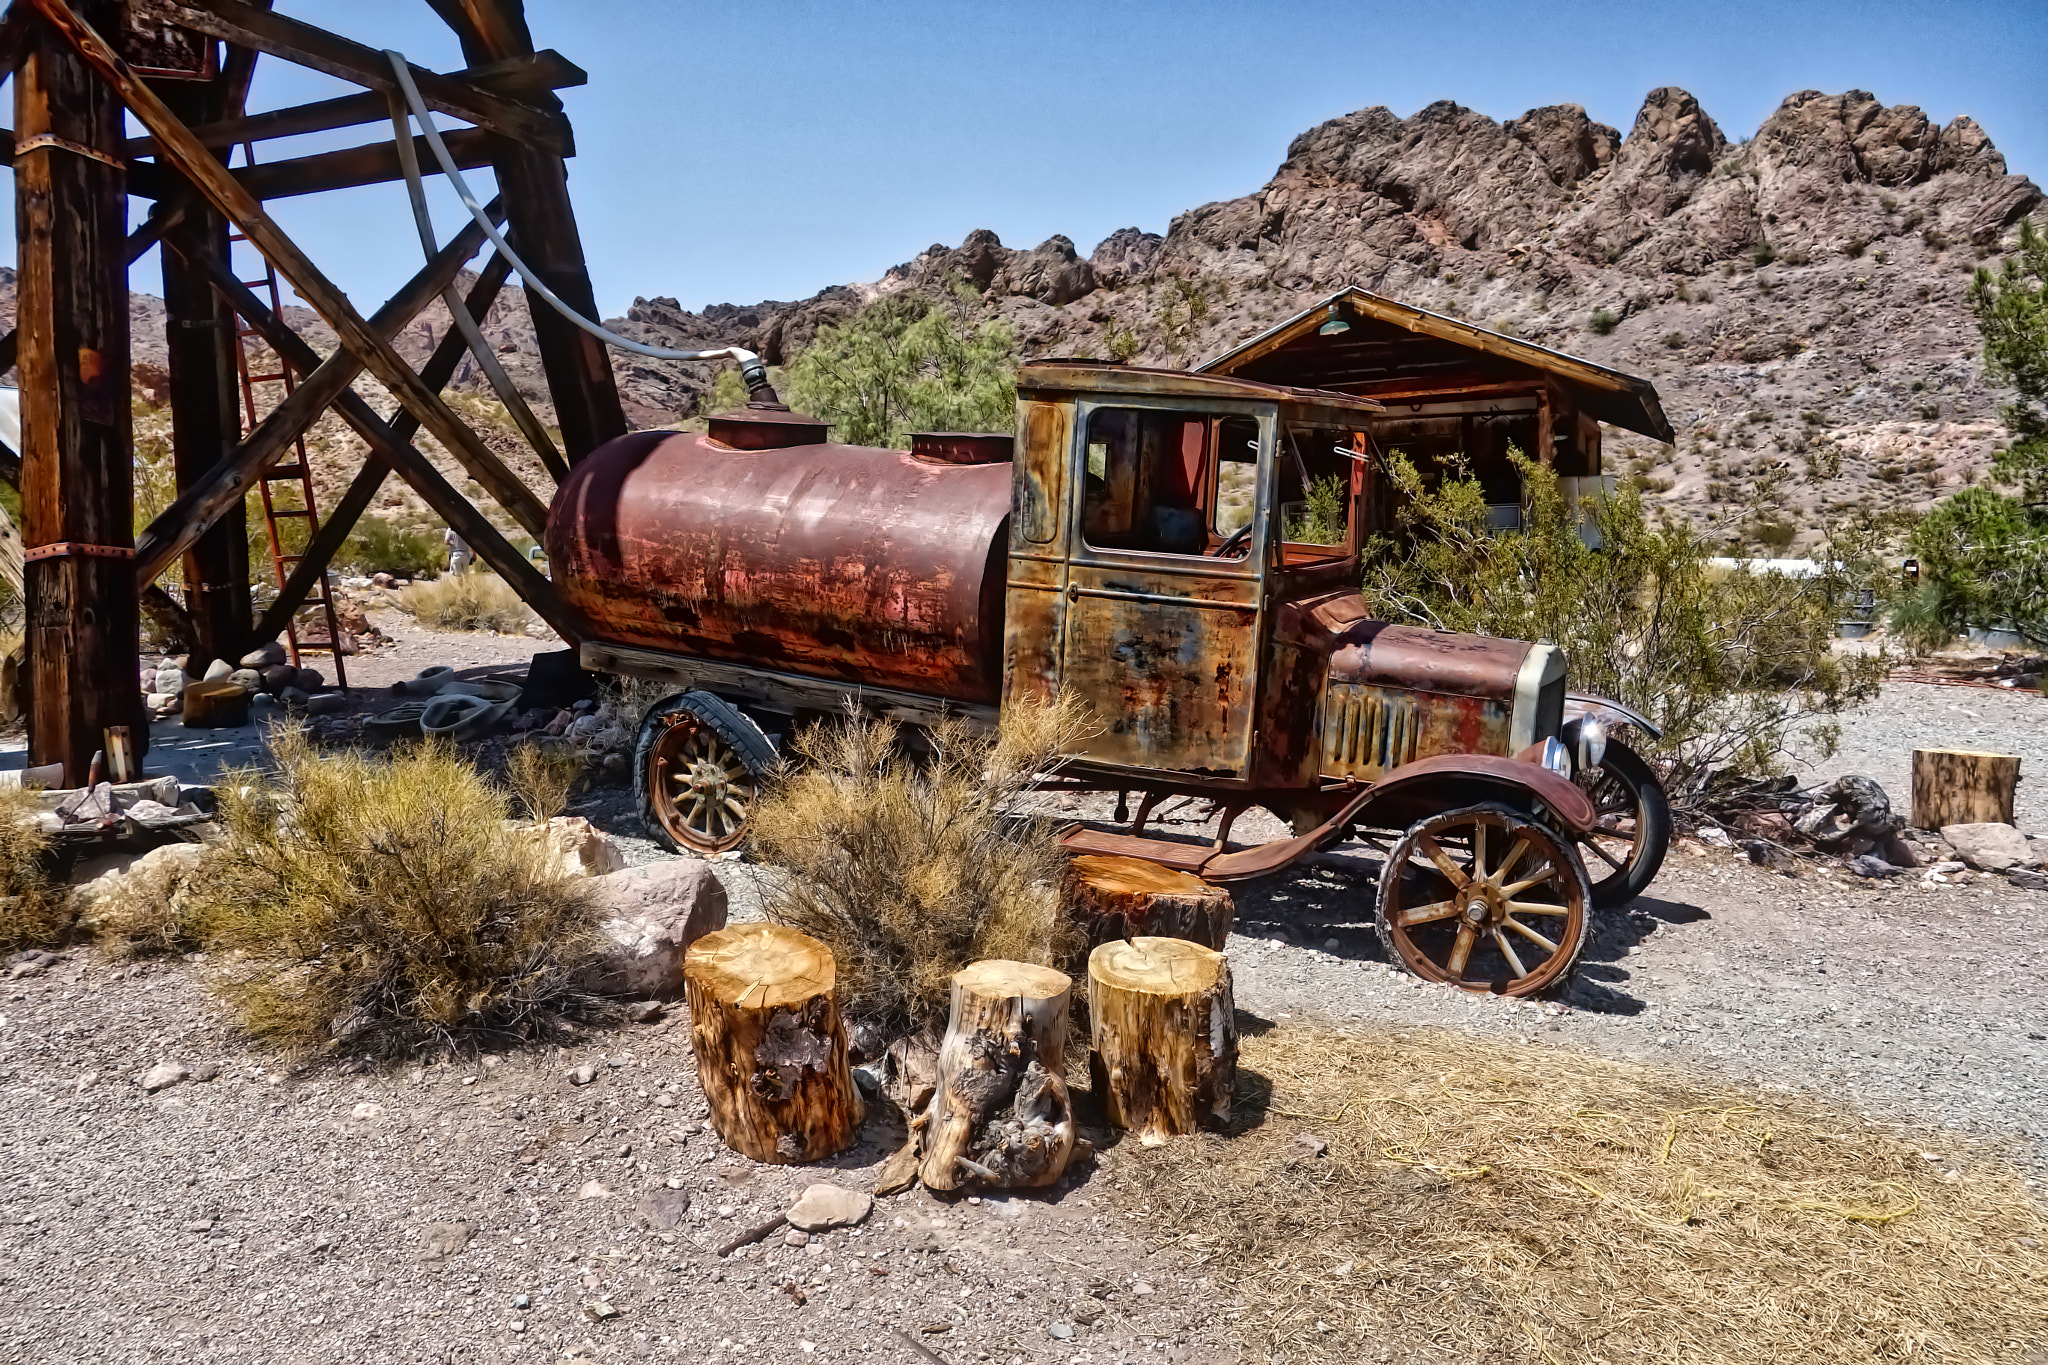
1184	558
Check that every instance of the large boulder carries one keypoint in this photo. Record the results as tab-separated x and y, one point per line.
579	848
1989	847
650	917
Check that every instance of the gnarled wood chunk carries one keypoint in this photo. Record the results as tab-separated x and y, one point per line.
1164	1059
771	1053
1000	1115
1963	787
1121	898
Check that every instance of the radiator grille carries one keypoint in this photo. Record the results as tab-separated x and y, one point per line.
1366	731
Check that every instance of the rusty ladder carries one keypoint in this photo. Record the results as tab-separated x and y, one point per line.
294	467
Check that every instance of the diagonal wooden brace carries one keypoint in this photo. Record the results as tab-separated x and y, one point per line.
391	448
201	505
177	146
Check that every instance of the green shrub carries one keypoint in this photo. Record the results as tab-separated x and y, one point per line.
380	545
383	905
1602	322
905	363
1763	254
1736	667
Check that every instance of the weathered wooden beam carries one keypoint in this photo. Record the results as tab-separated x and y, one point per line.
542	71
395	448
14	32
356	336
206	412
371	164
77	438
142	239
198	507
320	50
542	228
341	519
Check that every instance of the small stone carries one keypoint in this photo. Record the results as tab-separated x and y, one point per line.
644	1011
582	1075
598	1310
326	704
269	656
1142	1290
294	697
200	1225
367	1111
164	1075
594	1189
204	1071
309	680
218	669
829	1206
1308	1144
521	1301
796	1237
2028	881
726	1210
442	1240
323	1242
661	1210
1063	1331
278	677
665	1100
1989	847
264	707
1870	865
1331	945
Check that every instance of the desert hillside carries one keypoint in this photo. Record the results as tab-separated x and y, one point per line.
1797	297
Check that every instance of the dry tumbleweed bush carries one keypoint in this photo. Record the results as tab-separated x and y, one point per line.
387	905
1504	1202
911	867
34	911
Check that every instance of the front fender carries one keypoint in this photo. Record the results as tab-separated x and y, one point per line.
1610	713
1447	781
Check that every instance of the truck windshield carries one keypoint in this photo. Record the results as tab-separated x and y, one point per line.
1180	483
1320	472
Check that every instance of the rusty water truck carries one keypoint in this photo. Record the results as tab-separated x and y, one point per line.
1180	552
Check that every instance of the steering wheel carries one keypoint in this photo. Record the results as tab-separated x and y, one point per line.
1237	544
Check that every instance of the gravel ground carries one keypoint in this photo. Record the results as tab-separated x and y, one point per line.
1879	740
277	1215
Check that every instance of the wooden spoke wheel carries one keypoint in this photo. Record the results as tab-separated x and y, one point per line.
1485	898
1627	847
698	769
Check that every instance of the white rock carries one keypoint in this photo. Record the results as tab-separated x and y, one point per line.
163	1075
580	848
367	1111
650	917
582	1075
829	1206
1989	847
218	669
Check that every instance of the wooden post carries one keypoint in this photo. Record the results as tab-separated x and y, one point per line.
1164	1059
1117	898
1000	1114
71	211
199	332
771	1054
542	229
1963	787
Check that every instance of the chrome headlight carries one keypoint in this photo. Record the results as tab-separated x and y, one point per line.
1590	744
1556	757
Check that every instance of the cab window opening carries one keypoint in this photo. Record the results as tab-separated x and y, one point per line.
1162	482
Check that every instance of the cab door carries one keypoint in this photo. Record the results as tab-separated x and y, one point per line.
1165	582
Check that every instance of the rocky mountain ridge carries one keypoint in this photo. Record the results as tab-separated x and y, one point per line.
1798	297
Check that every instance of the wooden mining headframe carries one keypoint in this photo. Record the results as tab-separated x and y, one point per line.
182	68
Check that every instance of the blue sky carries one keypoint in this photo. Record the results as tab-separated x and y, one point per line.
730	153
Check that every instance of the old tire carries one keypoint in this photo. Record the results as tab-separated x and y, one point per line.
1458	888
1635	827
697	770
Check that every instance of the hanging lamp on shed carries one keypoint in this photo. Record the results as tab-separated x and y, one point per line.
1334	326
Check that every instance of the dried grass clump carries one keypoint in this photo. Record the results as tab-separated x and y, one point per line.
541	773
1500	1202
474	600
34	911
387	906
911	867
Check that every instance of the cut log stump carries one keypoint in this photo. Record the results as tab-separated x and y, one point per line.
1121	898
771	1052
1963	787
1164	1059
1000	1115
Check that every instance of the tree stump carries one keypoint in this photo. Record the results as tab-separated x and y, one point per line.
1121	898
1000	1114
771	1053
1165	1044
1963	787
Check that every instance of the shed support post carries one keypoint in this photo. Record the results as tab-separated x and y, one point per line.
77	434
542	229
206	419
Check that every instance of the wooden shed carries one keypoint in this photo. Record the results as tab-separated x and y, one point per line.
1451	388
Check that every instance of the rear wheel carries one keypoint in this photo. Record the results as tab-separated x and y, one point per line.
1633	829
698	770
1485	898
